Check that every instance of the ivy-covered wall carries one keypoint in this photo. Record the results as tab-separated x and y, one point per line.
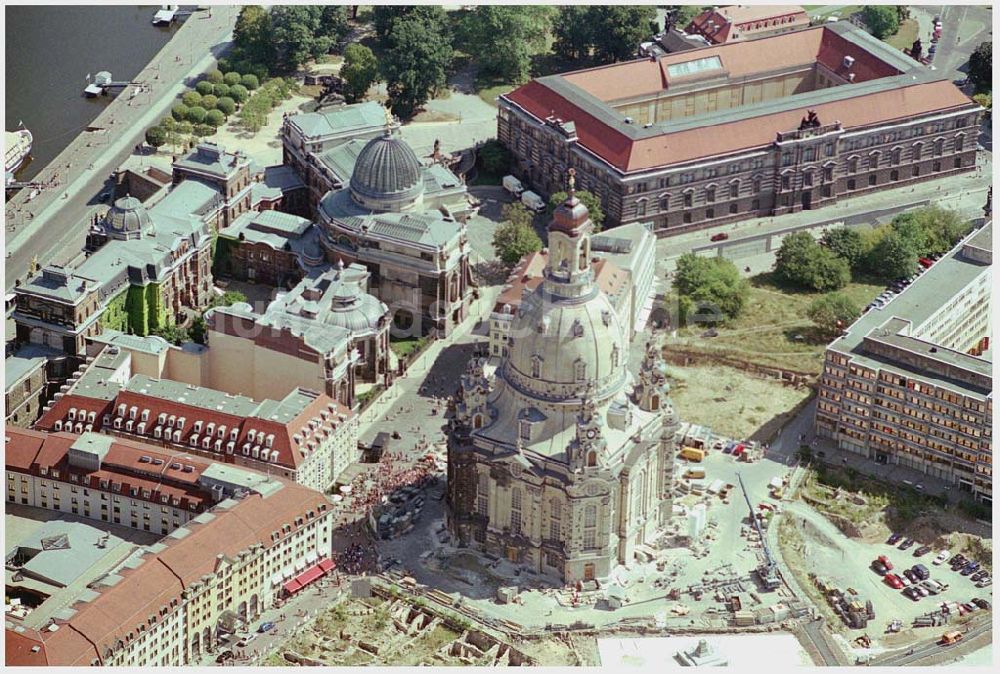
115	316
143	308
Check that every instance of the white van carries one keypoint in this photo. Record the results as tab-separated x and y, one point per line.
533	202
513	185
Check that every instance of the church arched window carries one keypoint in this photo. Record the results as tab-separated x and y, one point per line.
536	367
591	459
654	403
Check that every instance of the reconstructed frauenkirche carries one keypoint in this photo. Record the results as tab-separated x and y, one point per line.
561	461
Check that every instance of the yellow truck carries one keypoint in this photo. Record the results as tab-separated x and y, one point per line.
692	454
695	473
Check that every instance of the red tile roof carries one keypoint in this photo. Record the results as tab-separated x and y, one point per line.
120	609
728	19
18	645
649	77
289	451
527	275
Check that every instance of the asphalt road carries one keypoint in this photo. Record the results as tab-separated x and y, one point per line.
931	649
62	214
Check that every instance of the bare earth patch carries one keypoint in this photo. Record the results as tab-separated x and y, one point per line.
732	402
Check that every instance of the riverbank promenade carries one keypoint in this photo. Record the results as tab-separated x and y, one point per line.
40	228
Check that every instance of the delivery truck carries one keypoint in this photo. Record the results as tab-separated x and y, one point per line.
692	454
532	202
513	185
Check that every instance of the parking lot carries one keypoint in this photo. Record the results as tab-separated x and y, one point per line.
844	562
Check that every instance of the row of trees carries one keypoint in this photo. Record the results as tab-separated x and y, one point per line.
889	251
883	20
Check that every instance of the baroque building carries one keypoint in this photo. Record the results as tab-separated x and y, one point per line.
560	461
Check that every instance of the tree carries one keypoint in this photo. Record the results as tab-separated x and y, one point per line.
250	81
383	17
981	67
591	201
214	76
417	60
515	237
198	330
203	130
215	118
228	298
902	13
845	243
494	157
239	93
156	136
204	87
184	128
221	89
191	99
301	32
882	20
359	72
179	111
893	257
172	333
804	263
252	37
233	78
985	100
572	32
503	38
833	312
209	102
712	284
931	229
196	114
226	105
618	30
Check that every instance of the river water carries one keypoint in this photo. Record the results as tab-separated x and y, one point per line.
50	51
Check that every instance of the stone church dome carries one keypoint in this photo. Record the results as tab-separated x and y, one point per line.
387	175
127	219
563	350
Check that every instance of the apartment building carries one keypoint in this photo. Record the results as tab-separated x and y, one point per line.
730	23
305	437
911	383
237	539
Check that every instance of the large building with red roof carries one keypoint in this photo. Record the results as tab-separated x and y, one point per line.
306	437
237	540
730	23
742	129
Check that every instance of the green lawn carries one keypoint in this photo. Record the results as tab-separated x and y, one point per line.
840	12
489	94
904	37
404	347
774	330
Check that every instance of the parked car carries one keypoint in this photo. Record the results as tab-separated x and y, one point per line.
924	592
985	582
893	581
907	544
979	575
923	573
922	550
926	262
967	570
933	587
894	538
885	561
721	236
265	627
242	643
981	603
879	568
940	557
912	593
957	559
910	575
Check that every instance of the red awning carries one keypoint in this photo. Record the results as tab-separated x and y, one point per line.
310	575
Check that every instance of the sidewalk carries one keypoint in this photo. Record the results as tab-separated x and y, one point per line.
124	120
965	192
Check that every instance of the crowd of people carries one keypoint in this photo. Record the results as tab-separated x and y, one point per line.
356	558
394	471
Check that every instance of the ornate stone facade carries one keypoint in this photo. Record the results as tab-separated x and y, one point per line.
561	462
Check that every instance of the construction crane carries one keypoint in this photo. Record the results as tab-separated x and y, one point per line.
767	571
